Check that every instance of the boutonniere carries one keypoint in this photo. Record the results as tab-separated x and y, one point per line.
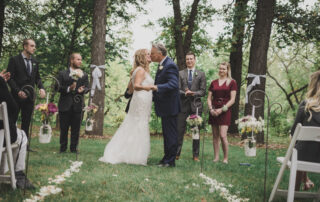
161	67
195	73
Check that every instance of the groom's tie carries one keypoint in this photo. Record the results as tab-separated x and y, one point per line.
190	79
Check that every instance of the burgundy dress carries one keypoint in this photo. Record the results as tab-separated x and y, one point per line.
220	97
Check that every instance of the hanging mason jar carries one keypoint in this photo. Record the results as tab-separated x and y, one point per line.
250	147
45	133
89	124
195	133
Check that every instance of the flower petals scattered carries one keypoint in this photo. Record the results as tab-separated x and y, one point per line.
52	189
221	189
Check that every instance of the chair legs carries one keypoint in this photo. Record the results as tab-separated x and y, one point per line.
293	174
11	167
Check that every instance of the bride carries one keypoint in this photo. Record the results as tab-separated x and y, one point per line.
131	142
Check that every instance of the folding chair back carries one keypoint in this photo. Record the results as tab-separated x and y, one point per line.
5	135
302	133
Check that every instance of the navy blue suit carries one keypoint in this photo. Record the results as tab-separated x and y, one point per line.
167	106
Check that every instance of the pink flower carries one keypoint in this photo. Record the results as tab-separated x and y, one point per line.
193	116
52	108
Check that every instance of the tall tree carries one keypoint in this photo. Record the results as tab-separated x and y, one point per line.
259	52
2	8
98	58
183	44
239	22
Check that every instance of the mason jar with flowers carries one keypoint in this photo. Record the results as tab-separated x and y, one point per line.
194	121
47	110
90	110
249	127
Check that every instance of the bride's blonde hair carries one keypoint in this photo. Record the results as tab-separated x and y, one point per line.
313	94
140	60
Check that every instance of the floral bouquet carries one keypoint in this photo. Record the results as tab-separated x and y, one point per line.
194	120
91	109
47	110
249	125
76	74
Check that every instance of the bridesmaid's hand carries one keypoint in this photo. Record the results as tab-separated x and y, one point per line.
218	111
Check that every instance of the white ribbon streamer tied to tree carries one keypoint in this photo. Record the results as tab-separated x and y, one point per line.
96	74
255	81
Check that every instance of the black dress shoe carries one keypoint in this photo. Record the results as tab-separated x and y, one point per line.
74	151
22	181
167	165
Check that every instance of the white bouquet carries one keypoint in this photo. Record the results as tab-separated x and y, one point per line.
194	120
250	124
76	74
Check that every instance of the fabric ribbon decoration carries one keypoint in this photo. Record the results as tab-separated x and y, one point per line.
255	81
96	74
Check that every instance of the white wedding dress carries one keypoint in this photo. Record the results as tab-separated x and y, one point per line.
131	142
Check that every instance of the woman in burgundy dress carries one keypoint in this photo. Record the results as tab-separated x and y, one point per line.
221	96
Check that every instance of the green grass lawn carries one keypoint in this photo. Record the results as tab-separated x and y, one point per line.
97	181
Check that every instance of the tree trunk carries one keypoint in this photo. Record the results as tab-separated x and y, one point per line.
2	9
183	44
181	60
239	20
76	25
259	52
98	58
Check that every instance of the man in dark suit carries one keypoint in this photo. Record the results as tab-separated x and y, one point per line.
71	103
166	101
16	136
24	71
192	85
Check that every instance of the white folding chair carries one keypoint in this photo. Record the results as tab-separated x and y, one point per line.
302	133
5	135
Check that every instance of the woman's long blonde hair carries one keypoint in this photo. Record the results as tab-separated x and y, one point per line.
140	60
313	94
229	78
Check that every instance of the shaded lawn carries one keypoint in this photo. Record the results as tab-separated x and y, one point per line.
97	181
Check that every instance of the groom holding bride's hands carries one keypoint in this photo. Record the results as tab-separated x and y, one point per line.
166	101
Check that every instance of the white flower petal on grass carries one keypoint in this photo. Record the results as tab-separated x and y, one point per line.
114	175
186	187
221	189
51	189
146	179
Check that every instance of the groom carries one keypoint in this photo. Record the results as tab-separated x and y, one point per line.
166	101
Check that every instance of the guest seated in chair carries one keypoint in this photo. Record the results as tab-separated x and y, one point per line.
17	136
308	115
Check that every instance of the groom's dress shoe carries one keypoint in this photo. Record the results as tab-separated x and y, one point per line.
167	165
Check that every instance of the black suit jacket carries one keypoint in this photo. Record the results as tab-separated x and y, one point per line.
5	96
67	99
20	77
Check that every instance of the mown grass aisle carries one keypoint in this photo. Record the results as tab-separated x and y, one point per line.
97	181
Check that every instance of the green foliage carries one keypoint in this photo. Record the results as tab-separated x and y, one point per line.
201	40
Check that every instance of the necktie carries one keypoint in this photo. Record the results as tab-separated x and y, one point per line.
28	67
190	79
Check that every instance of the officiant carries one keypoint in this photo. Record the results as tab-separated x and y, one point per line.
192	85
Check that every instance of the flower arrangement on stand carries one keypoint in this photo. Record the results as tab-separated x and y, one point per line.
90	110
249	126
194	121
47	110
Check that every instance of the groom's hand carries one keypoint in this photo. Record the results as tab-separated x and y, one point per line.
154	88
